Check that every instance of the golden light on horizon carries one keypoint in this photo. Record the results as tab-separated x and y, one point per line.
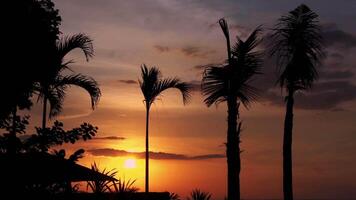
130	163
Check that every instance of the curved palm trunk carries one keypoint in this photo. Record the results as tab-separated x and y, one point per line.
44	114
147	150
233	151
287	149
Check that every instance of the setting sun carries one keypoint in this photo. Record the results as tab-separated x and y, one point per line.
130	163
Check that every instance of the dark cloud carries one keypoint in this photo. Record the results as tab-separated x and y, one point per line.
323	96
153	155
339	38
204	66
336	74
333	88
162	49
110	138
336	56
129	81
195	85
193	51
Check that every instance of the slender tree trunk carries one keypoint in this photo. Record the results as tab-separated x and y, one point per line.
44	114
233	139
287	149
12	143
147	150
233	152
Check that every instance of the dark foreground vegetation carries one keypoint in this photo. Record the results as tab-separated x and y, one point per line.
30	167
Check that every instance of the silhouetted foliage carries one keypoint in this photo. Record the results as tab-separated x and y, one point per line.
125	186
29	32
152	87
52	88
229	83
13	126
296	42
74	157
56	135
174	196
197	194
39	144
43	139
101	186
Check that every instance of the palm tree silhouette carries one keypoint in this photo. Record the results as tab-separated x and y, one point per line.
230	83
297	45
52	87
152	85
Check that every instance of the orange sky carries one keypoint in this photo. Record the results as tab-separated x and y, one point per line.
177	37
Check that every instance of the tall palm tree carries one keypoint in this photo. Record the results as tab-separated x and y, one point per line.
152	86
297	45
230	83
52	87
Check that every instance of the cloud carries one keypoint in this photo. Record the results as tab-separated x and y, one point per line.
128	81
336	56
195	85
335	37
153	155
193	51
324	96
110	138
204	66
161	49
336	74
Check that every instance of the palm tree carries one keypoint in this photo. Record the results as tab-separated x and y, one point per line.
230	83
297	45
52	87
152	86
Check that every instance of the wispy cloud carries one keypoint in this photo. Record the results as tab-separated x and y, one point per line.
128	81
161	48
153	155
110	138
194	51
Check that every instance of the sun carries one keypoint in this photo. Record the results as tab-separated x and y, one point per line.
130	163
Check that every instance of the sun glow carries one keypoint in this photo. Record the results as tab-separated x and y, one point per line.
130	163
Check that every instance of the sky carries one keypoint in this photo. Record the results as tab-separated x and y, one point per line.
187	142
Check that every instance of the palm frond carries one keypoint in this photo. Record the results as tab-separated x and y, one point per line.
176	83
149	78
100	185
125	186
81	41
174	196
232	79
297	44
85	82
152	85
197	194
215	85
55	97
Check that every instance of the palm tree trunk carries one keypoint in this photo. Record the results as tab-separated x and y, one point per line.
44	114
233	152
287	150
147	150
